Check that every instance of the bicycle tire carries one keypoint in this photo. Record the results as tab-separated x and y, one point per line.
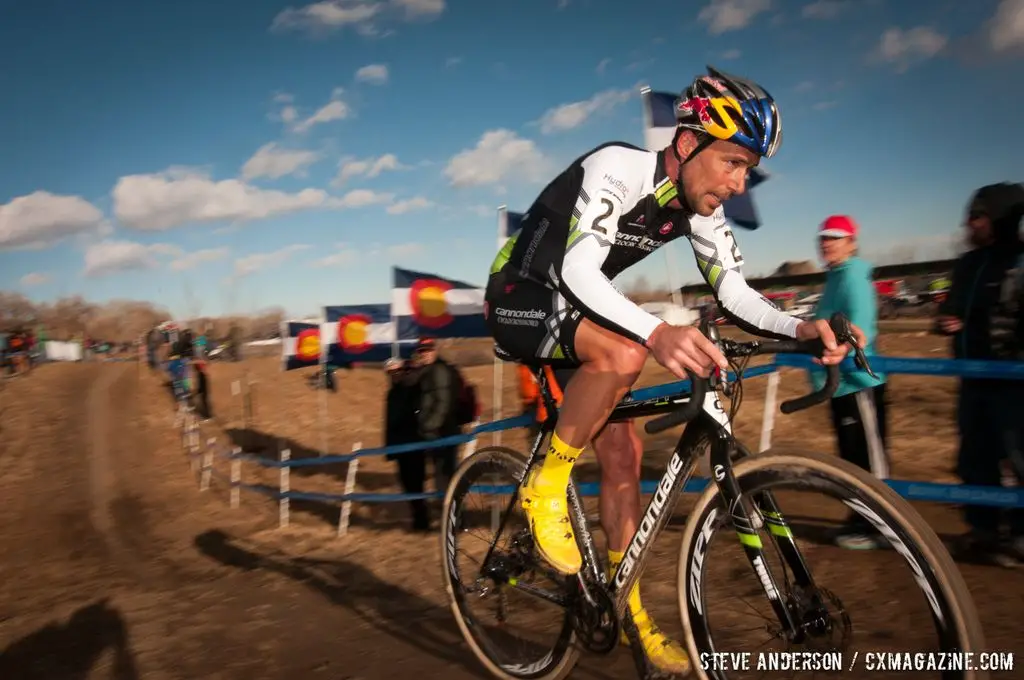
561	660
820	471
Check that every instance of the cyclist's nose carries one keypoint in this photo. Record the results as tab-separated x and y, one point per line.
738	182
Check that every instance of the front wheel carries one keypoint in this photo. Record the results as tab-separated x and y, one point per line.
513	611
932	579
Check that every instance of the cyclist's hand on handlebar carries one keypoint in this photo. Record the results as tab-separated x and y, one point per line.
834	352
682	348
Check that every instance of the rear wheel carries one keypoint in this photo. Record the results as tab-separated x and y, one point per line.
513	611
826	626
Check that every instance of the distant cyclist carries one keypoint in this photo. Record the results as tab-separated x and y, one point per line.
550	300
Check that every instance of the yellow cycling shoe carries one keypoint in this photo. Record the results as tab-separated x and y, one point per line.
666	654
552	531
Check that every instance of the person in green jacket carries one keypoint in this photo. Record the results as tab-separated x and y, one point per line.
858	405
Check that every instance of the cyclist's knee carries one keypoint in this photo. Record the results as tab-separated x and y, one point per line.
620	356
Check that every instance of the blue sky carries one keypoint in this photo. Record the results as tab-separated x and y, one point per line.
221	157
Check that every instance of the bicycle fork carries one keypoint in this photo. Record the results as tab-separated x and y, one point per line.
747	523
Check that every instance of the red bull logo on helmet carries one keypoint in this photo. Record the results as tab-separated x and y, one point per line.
696	106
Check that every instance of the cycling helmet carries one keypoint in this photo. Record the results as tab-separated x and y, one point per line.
734	109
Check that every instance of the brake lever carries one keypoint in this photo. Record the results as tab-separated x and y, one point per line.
861	361
843	331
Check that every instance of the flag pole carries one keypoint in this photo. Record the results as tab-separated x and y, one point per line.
675	290
499	376
394	320
322	382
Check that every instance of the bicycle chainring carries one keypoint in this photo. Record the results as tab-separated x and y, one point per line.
596	626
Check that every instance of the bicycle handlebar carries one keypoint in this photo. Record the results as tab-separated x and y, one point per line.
699	386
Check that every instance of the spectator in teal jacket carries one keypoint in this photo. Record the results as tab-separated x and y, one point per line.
858	406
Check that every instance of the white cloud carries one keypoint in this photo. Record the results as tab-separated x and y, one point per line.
905	48
603	65
42	218
416	9
1007	26
335	109
824	9
343	255
361	198
323	17
499	155
163	200
409	204
404	250
109	257
272	161
350	167
732	54
375	74
722	16
825	105
257	262
568	116
195	258
35	279
327	15
289	115
452	61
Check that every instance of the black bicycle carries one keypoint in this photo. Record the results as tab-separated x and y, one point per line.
743	499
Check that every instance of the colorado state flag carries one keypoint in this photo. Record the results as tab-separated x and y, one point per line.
508	224
300	345
430	305
660	128
364	333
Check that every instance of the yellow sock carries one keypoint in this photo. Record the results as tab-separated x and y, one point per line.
635	605
554	471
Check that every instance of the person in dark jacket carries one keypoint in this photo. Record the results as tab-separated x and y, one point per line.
982	314
202	393
401	426
437	415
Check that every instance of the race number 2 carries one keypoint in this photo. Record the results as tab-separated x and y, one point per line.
732	257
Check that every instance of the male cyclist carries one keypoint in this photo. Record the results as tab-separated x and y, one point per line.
550	301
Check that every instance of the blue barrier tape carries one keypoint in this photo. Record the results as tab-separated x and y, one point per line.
965	368
666	390
911	490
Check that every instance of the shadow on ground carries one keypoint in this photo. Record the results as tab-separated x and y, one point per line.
386	606
68	651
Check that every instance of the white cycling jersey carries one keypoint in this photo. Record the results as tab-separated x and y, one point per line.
606	212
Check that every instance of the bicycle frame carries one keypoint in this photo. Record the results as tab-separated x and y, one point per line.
713	423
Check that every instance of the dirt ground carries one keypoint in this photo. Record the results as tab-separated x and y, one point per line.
113	564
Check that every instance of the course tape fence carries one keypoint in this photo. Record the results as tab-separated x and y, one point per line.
1005	497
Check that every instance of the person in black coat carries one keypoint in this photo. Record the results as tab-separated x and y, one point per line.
401	426
983	316
437	382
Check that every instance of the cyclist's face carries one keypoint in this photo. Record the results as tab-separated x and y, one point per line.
716	174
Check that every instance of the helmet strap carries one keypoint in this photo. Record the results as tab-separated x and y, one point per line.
703	141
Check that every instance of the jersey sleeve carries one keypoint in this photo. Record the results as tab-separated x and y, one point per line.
591	236
720	262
